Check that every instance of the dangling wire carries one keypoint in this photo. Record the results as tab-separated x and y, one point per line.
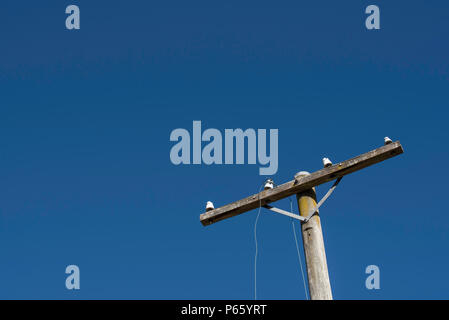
297	250
255	241
308	216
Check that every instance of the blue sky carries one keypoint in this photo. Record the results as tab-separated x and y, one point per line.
85	120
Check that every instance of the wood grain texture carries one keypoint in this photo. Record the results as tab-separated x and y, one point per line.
296	186
313	242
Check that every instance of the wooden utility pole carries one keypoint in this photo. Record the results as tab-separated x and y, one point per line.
304	187
312	239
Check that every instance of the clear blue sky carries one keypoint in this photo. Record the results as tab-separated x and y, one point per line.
85	121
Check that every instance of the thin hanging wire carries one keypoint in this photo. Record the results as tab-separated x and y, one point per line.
257	248
299	255
255	241
294	233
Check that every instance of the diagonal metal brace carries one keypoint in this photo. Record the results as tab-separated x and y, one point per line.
307	218
286	213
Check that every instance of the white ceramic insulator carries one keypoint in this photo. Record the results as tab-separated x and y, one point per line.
209	206
387	140
326	162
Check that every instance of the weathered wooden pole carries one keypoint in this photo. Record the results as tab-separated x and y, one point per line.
312	235
304	187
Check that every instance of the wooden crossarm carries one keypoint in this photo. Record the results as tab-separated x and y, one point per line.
304	183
